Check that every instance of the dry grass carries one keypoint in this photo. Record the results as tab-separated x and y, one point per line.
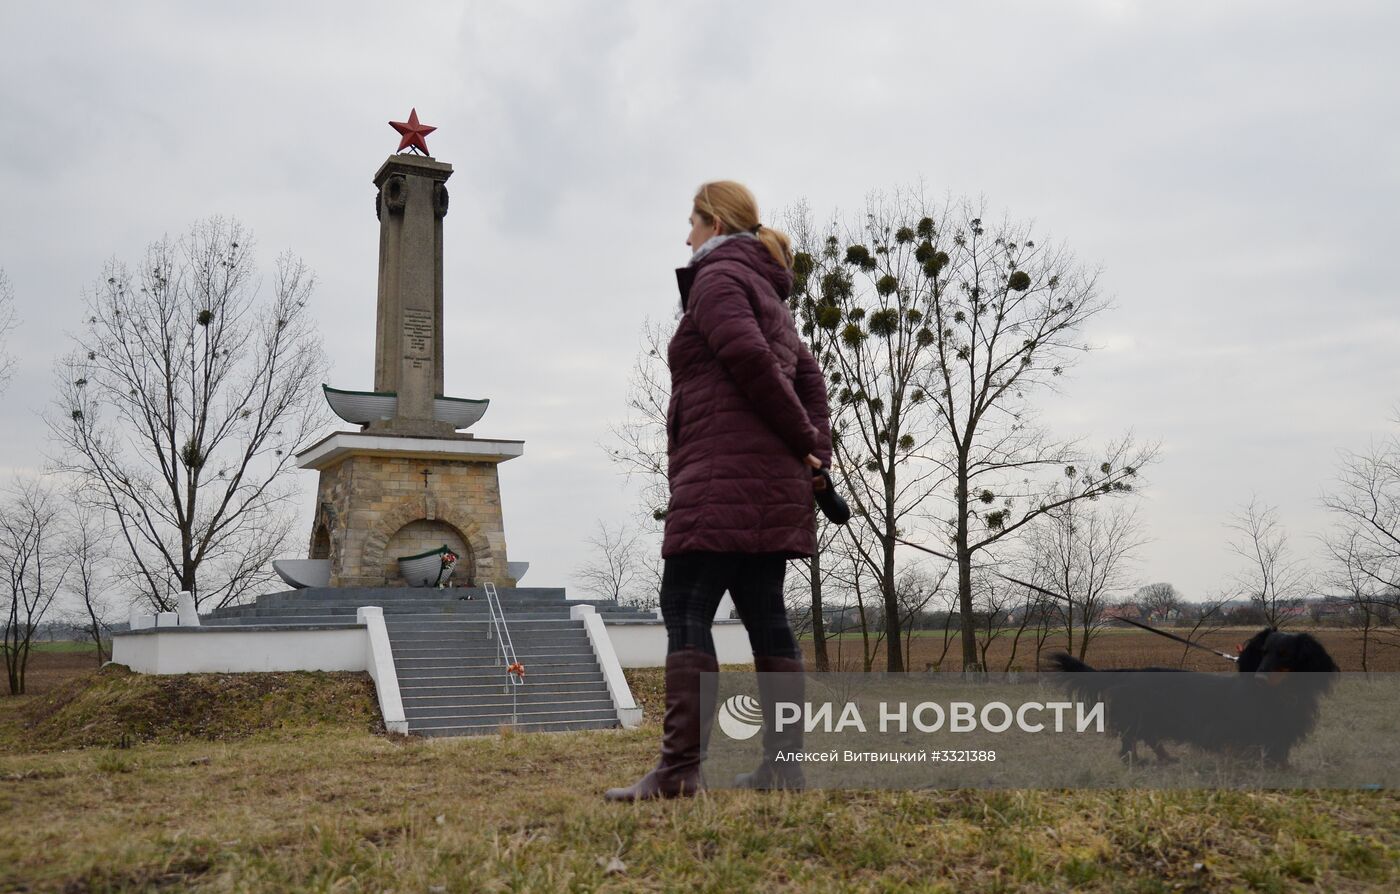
341	809
114	706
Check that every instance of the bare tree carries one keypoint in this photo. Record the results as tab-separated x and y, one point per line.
852	576
797	601
814	574
1026	615
34	565
946	598
1086	552
182	406
1158	601
972	324
88	543
8	322
617	569
1273	580
639	440
1366	502
1044	619
1367	599
993	602
1206	618
1040	613
916	587
857	304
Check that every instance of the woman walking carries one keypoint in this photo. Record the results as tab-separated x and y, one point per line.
746	428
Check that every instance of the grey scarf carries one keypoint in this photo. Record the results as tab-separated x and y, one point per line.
715	242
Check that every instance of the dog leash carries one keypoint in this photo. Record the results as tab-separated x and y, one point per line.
1066	599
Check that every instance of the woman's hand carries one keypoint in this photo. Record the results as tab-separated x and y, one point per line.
813	461
818	482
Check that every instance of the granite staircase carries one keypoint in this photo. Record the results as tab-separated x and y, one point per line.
450	673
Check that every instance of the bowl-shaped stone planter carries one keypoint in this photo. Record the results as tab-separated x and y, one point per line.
364	407
302	573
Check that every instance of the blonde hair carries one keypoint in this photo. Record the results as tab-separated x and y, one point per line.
736	210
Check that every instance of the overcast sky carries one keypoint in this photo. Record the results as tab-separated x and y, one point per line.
1233	168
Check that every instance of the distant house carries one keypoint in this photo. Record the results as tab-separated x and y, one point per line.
1130	611
1330	610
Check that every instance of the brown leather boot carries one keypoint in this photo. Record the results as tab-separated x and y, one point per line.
685	731
779	680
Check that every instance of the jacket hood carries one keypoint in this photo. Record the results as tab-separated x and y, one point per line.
748	251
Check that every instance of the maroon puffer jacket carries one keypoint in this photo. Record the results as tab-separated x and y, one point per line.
748	403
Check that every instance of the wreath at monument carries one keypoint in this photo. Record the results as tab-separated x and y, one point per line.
449	562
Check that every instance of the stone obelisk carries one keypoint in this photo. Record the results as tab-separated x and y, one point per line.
411	204
409	481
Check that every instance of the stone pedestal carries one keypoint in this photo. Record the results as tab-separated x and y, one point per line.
384	497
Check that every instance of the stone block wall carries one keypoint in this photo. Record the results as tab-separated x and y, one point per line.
377	508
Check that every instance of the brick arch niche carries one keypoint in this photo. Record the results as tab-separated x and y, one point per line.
407	530
422	535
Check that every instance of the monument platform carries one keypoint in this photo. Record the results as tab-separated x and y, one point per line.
436	668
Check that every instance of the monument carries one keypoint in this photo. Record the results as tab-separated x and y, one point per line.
411	483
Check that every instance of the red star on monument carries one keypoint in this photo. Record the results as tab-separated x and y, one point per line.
413	133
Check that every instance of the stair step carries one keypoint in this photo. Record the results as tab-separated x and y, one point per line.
466	667
525	715
464	692
479	636
460	695
287	621
538	641
491	653
478	628
419	677
524	694
502	705
546	726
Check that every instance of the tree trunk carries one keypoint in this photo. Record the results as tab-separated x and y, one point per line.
96	629
894	653
964	556
823	661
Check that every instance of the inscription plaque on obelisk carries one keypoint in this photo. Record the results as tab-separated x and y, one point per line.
418	338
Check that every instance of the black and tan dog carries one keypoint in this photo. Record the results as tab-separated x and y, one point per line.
1263	710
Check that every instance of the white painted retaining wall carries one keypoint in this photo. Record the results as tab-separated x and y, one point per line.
233	650
629	714
643	644
379	661
241	650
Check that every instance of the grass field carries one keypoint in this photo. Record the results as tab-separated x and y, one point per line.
68	646
1111	647
310	796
